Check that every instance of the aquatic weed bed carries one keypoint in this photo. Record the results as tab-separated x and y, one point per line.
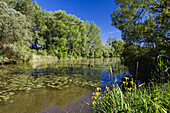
11	84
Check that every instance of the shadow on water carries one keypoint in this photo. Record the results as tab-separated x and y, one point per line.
49	100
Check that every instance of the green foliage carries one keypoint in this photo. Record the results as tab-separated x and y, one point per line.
14	34
98	54
145	27
153	97
33	51
51	52
143	22
78	53
42	52
64	54
60	55
136	99
162	73
69	56
23	24
75	55
118	45
106	50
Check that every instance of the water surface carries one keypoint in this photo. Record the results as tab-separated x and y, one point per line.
69	97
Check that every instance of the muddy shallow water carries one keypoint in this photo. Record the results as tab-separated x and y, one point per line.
56	86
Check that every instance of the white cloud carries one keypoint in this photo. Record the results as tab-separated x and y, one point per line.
112	32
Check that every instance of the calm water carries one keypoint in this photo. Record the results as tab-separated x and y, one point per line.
67	99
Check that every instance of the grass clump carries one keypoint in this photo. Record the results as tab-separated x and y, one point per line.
136	99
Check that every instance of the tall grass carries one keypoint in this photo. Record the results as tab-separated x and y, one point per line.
140	98
136	100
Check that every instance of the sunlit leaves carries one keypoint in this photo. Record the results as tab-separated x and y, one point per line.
142	21
15	33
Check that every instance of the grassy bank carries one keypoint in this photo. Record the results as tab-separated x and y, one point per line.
131	97
138	99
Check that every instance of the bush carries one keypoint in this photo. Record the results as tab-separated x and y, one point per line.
78	53
51	52
106	55
69	57
34	51
75	54
64	54
42	52
98	54
60	55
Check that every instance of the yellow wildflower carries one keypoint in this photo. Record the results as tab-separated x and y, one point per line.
107	88
5	99
129	89
125	97
104	97
125	82
111	109
94	102
132	82
114	89
98	88
93	97
97	94
126	78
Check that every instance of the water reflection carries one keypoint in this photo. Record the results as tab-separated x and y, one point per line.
53	100
43	99
109	80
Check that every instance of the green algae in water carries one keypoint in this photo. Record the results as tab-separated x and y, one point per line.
58	76
42	99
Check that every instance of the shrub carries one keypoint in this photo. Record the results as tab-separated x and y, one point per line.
106	55
60	55
75	54
78	53
98	54
64	54
51	52
42	52
34	51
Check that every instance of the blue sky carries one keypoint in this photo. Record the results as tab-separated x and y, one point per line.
98	11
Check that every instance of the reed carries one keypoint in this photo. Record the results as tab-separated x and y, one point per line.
134	100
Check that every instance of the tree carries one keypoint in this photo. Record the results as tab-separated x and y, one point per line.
94	39
107	50
14	34
109	41
143	21
144	25
118	45
25	7
39	27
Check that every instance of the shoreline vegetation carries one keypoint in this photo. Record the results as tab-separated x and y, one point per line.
47	33
153	99
134	97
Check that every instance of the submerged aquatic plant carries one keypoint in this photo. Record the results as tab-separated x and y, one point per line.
9	85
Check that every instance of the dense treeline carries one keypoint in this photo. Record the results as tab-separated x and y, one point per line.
26	30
